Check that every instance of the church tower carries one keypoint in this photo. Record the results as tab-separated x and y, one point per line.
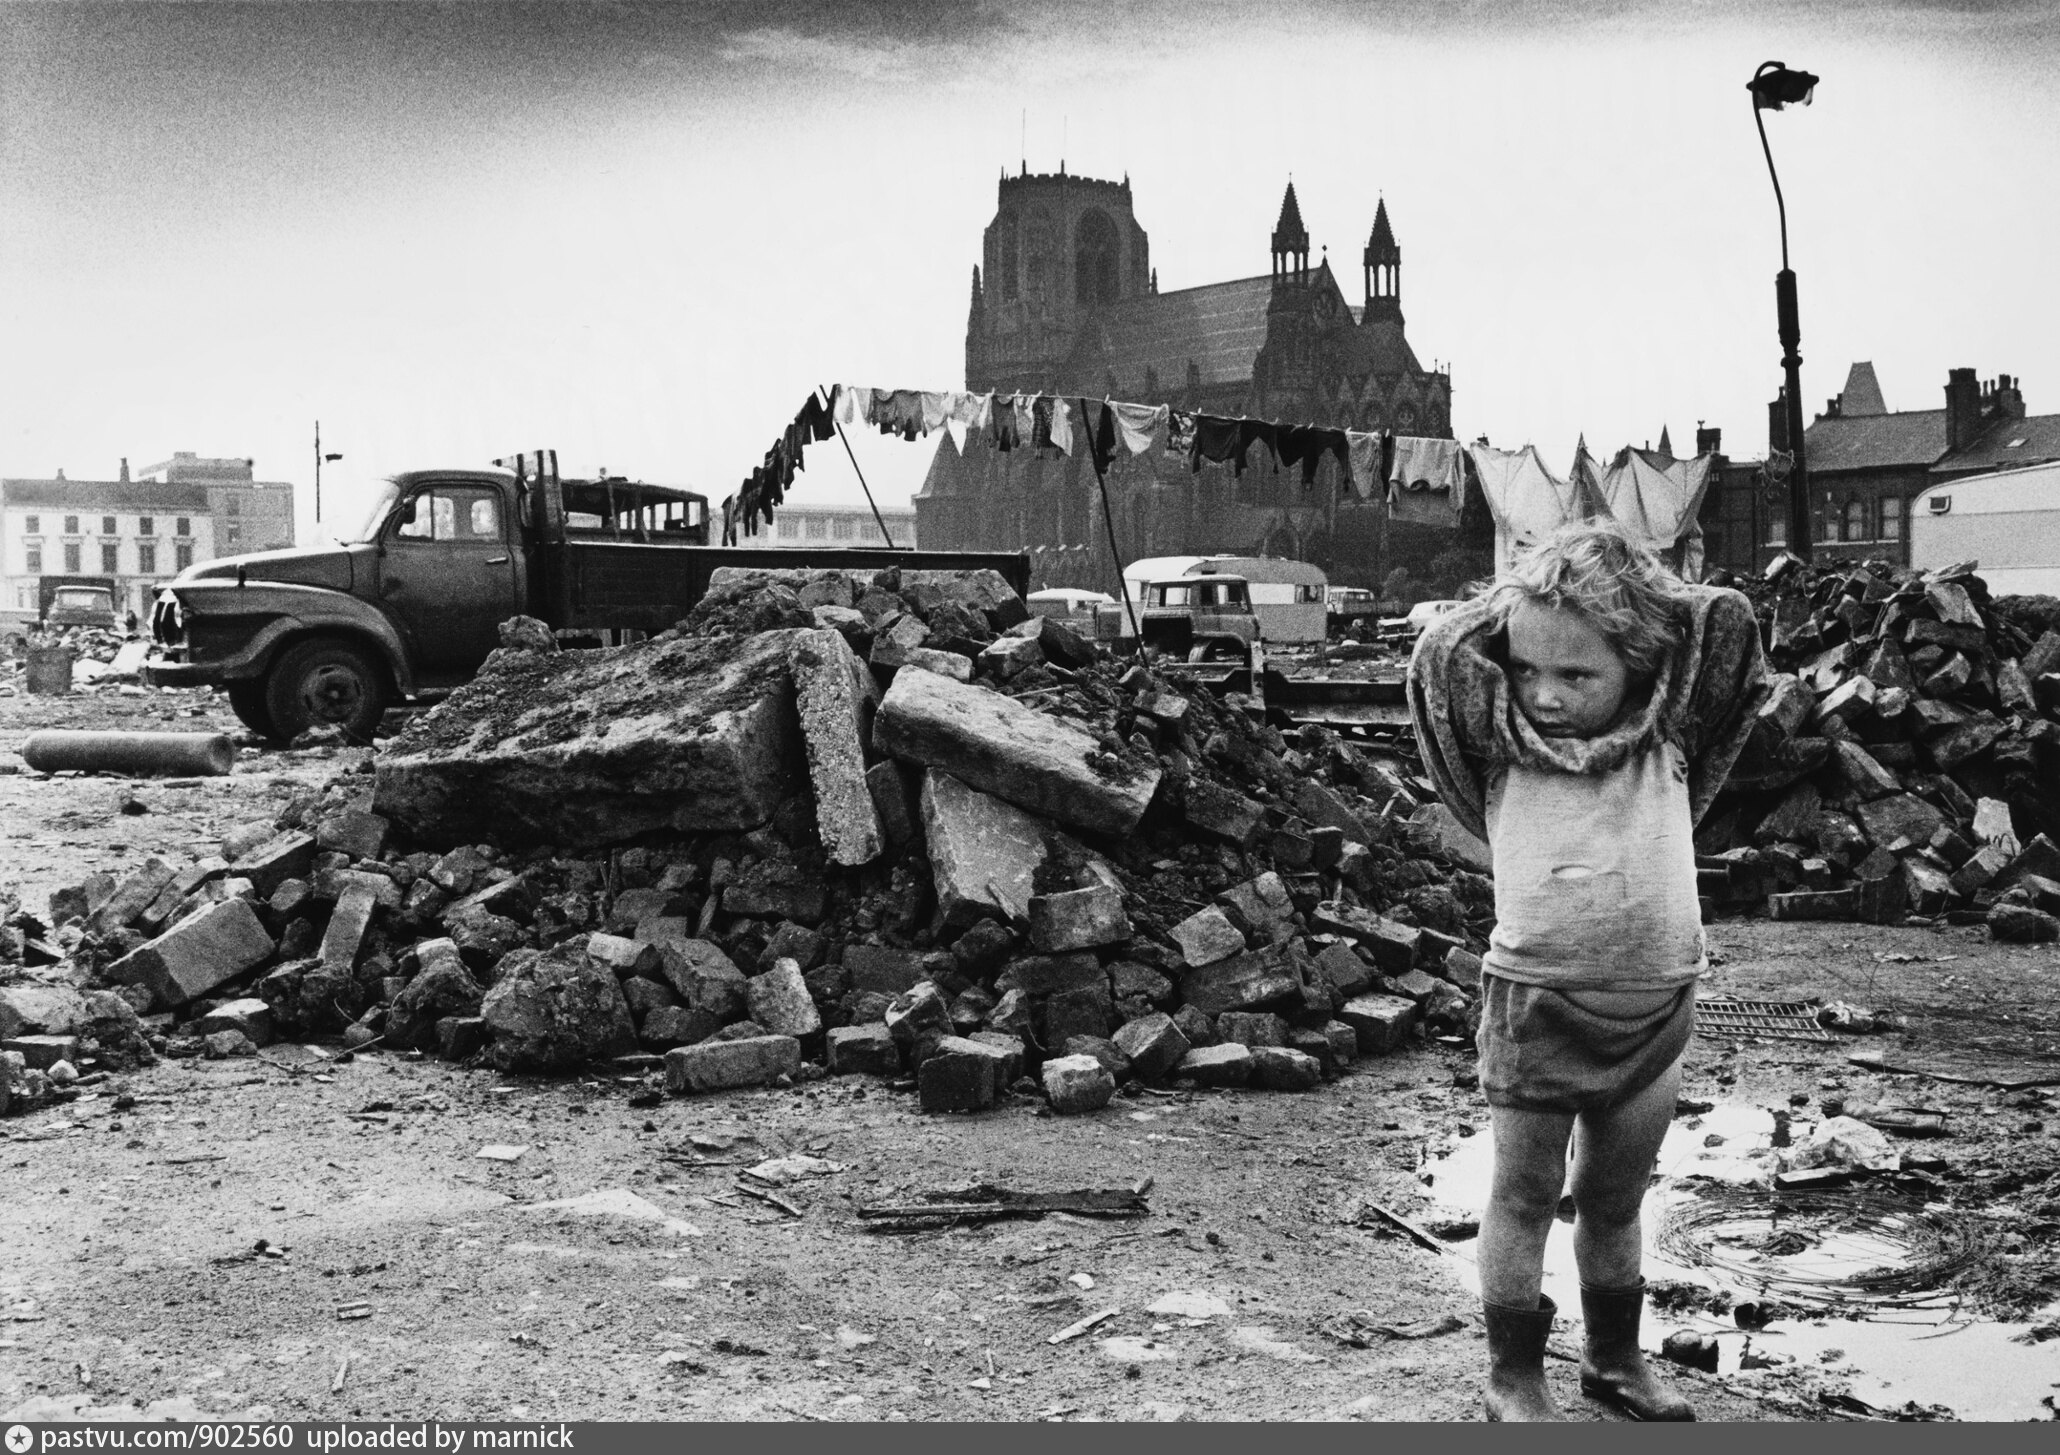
1290	243
1383	265
1060	249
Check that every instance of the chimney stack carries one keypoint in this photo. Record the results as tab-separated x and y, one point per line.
125	469
1963	408
1708	441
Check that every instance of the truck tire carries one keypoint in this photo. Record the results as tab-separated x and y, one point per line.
247	701
324	680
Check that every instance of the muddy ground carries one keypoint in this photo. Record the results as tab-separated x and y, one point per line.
407	1277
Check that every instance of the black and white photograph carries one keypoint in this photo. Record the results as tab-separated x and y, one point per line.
851	710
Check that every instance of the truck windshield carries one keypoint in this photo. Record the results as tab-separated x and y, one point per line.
375	512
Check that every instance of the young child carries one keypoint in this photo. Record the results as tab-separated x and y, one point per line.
1580	715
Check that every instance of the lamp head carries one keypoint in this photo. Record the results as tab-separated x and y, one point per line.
1774	86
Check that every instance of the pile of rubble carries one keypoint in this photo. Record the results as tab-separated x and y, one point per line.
888	824
1907	761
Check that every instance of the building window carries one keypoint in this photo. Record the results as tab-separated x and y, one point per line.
185	526
844	528
1777	530
235	532
107	525
34	557
146	559
232	505
32	525
145	525
182	555
790	528
110	558
1856	520
72	551
1892	517
71	525
818	527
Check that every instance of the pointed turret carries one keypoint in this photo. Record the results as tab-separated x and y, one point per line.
1290	242
1666	445
1383	270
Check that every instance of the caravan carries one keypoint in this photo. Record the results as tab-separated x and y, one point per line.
2007	523
1287	597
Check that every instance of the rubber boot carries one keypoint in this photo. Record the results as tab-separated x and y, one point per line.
1613	1367
1516	1391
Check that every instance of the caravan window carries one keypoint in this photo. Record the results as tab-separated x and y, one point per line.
1308	593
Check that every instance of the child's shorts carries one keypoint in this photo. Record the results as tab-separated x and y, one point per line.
1541	1051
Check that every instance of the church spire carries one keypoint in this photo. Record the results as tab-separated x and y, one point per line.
1383	269
1290	242
1666	446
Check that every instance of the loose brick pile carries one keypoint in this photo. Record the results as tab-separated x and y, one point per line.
1907	761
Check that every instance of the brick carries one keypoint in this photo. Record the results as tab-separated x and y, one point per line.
134	895
247	1014
1089	1011
1221	1065
40	1053
1393	945
1863	774
1244	982
1014	1015
664	1026
461	1037
704	977
333	883
1207	936
348	923
1011	1048
1415	985
30	1009
727	1065
1929	888
865	1050
779	1001
1005	656
1463	969
882	968
1222	813
1131	980
1154	1045
1040	975
354	832
626	957
663	929
892	805
644	996
1312	1042
1344	1042
958	1075
1979	871
1251	1029
1076	1085
1342	970
1382	1022
288	855
918	1020
1064	644
1952	636
1278	1068
1901	816
1263	904
769	890
794	942
197	954
1078	919
2019	924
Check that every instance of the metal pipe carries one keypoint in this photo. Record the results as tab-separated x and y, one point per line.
139	755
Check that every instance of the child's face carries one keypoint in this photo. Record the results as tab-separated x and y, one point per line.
1569	681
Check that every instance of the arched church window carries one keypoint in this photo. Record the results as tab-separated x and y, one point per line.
1010	263
1095	252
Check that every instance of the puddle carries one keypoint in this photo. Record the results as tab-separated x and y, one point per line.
1923	1350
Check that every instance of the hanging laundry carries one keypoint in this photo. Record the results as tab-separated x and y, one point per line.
1006	433
1040	421
1026	421
1307	444
899	411
1180	433
1100	420
1256	432
1658	499
1527	500
1138	424
1363	465
1426	481
1216	440
936	409
1062	426
971	410
816	420
854	404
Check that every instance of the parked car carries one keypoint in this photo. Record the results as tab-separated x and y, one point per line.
1421	615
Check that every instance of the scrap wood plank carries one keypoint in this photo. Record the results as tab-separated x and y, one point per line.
985	1202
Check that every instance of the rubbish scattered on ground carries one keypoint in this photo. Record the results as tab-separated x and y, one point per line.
1773	1020
1195	1306
1259	1339
1075	1330
347	1312
501	1152
1846	1142
985	1203
1372	1213
780	1171
1362	1330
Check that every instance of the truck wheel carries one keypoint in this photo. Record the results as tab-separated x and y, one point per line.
247	701
325	681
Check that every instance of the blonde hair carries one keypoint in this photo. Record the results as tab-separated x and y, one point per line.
1616	584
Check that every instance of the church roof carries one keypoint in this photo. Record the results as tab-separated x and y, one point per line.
1383	235
1873	441
1290	224
1219	326
1380	348
1862	392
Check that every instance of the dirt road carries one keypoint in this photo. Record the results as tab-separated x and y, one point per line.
404	1276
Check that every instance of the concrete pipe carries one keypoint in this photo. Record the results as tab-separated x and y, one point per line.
139	755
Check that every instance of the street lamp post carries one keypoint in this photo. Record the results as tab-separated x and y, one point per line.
319	458
1774	86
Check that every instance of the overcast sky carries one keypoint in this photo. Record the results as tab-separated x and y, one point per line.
639	234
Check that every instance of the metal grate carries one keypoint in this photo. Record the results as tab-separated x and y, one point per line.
1771	1020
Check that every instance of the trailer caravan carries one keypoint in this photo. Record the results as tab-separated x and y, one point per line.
1287	597
2007	523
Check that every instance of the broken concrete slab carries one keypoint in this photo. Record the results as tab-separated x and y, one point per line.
1278	1068
30	1009
867	1050
996	745
289	855
581	749
960	1074
1207	936
1222	1065
1153	1043
197	954
704	977
347	925
1382	1022
727	1065
835	696
984	851
1244	982
779	1001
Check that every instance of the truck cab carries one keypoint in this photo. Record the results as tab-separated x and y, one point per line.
1184	615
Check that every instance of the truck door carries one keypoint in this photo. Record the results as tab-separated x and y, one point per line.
449	575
